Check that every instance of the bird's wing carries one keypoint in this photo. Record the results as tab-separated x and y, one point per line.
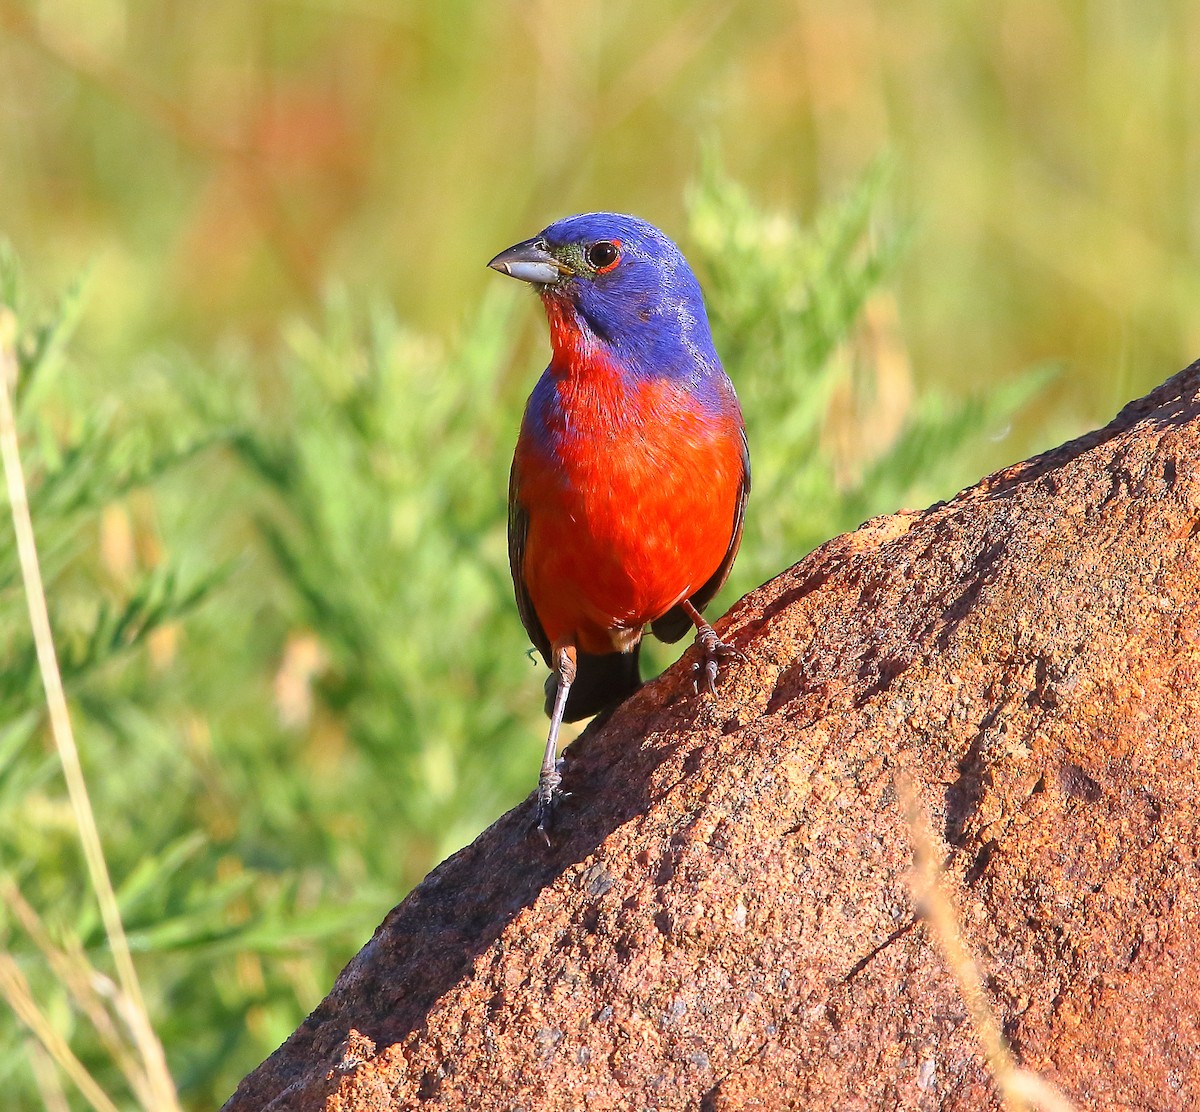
518	530
675	623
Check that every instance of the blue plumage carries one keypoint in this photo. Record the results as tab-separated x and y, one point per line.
648	311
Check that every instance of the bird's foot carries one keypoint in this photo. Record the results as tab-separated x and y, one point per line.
547	796
713	653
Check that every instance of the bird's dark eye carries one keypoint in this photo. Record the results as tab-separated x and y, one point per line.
603	255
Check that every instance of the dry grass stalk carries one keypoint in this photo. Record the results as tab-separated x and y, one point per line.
158	1083
15	989
1020	1089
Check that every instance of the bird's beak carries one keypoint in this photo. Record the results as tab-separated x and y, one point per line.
531	262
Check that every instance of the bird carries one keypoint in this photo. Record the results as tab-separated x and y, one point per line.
631	473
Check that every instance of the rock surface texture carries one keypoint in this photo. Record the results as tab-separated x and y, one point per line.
725	920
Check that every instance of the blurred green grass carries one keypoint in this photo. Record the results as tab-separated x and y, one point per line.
269	466
219	163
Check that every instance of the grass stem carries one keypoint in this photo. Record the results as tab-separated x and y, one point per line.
1020	1089
158	1078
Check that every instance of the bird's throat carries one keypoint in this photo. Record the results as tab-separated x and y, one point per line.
574	346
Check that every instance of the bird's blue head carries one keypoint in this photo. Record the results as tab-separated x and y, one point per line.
615	286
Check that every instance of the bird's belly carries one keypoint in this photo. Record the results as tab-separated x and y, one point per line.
623	527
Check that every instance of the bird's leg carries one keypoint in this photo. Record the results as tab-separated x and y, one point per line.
712	650
551	775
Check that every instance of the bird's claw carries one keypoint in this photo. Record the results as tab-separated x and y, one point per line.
713	653
548	795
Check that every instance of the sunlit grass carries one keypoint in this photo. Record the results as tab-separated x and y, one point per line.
148	1074
1048	153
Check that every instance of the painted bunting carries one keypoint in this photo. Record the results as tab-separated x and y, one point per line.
631	471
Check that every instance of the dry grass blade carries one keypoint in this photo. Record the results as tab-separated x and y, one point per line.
79	978
1020	1089
46	1077
157	1077
15	990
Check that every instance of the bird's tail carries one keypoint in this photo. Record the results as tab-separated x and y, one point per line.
600	682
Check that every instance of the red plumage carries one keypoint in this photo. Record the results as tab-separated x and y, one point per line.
631	514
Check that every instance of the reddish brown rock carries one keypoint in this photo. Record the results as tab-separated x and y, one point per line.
726	922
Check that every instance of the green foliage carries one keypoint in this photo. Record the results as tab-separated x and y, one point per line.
381	477
305	682
787	303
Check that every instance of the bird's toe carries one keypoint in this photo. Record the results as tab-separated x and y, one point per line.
713	653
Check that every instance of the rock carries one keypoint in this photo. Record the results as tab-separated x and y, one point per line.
726	920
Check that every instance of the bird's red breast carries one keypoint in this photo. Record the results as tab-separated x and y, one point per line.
632	489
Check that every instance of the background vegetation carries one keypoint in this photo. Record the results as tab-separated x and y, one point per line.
268	395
